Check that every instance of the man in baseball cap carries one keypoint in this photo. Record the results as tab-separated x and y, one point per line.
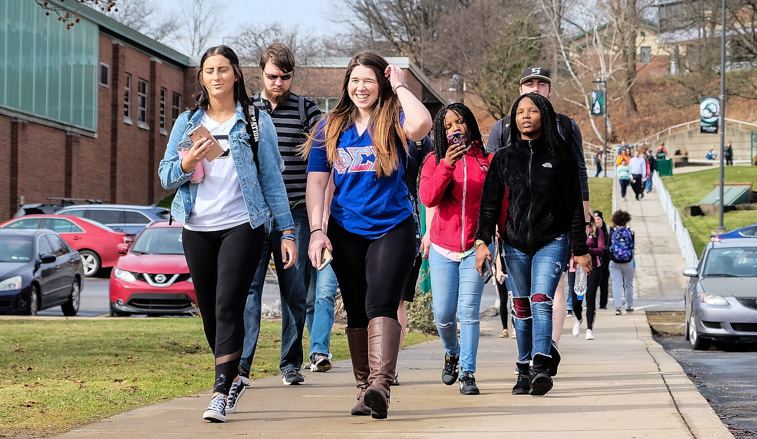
536	79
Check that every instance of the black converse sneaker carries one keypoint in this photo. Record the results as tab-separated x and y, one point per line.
468	384
216	411
450	370
235	394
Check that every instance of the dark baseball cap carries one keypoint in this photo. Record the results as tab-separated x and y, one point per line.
535	72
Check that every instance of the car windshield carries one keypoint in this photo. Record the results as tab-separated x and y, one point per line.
159	241
731	262
15	249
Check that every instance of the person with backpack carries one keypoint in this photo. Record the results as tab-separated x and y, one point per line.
622	264
545	218
536	79
452	181
371	229
224	214
597	249
293	116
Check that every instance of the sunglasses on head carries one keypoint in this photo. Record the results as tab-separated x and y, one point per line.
285	77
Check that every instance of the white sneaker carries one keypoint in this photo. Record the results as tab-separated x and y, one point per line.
216	411
576	328
589	335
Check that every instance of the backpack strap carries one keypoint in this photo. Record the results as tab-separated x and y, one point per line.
505	138
303	113
253	114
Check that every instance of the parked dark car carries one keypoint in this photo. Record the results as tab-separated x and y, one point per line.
38	270
744	232
119	217
55	204
721	296
153	277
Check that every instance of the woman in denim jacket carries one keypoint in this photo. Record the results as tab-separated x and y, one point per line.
224	214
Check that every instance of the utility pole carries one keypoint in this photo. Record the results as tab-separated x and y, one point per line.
721	226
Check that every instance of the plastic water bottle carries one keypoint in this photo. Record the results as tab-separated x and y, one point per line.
579	286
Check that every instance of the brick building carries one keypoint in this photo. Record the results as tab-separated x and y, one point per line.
84	112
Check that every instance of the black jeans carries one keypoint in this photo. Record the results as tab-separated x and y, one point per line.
603	283
372	272
222	265
637	187
592	282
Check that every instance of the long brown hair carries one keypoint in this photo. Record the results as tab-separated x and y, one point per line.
385	128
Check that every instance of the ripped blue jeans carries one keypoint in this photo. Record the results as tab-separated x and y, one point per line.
533	278
456	293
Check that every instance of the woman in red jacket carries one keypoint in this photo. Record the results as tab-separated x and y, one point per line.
452	181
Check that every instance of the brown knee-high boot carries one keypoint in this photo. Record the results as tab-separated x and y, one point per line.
357	340
383	348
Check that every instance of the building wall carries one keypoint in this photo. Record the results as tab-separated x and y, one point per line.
118	163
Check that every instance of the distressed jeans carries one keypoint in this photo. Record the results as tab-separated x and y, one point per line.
533	278
457	289
293	287
320	309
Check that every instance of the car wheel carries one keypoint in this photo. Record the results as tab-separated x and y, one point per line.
697	343
91	262
34	301
71	307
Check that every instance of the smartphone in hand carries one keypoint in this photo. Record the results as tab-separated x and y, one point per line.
215	148
326	259
455	138
487	271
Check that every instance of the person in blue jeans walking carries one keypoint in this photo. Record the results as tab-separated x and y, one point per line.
451	181
320	317
545	210
293	116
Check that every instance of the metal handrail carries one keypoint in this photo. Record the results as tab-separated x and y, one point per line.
669	130
674	217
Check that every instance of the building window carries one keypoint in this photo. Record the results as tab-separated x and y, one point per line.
176	107
326	104
142	104
104	75
646	54
163	94
127	99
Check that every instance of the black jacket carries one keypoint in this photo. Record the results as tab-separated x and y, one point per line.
544	195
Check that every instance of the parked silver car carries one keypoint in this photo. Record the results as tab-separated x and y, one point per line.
721	296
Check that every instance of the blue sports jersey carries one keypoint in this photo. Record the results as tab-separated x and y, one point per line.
363	204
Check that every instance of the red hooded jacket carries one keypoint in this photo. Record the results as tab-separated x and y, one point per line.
456	218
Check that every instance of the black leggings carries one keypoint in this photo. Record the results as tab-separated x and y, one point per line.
592	283
503	299
372	272
222	265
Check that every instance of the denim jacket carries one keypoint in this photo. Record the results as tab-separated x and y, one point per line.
264	195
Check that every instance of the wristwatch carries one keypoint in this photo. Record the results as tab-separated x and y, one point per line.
478	242
401	84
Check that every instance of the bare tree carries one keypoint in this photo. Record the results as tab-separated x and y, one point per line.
201	18
69	18
144	16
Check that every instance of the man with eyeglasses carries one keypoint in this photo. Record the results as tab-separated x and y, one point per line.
293	116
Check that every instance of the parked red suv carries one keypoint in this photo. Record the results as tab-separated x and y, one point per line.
152	276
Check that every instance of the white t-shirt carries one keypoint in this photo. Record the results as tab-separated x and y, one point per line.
219	204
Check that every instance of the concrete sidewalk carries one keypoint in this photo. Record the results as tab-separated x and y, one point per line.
620	385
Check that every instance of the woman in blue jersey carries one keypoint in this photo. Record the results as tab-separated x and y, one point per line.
371	231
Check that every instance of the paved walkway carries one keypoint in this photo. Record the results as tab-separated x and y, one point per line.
620	385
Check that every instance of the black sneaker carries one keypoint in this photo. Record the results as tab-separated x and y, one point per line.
244	374
468	384
555	353
235	394
450	371
320	362
396	381
292	376
216	411
629	309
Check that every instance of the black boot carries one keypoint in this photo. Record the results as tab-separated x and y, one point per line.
555	359
541	382
523	384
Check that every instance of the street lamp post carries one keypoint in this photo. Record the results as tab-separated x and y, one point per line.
721	225
607	114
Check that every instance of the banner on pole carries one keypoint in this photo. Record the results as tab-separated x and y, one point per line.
709	114
597	102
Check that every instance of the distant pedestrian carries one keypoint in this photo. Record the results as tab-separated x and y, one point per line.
728	153
224	214
597	250
651	168
603	228
638	168
662	152
598	161
624	177
622	262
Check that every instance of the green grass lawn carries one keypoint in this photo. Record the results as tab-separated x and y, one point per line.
59	374
600	195
688	189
